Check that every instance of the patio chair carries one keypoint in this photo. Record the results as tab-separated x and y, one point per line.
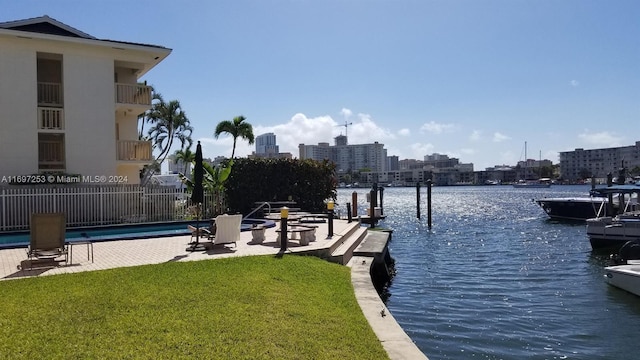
201	232
227	229
47	240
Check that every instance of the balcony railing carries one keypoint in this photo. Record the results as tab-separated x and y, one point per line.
133	150
133	94
49	94
50	152
50	118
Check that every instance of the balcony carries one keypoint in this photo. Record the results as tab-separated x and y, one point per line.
50	118
49	94
133	97
134	152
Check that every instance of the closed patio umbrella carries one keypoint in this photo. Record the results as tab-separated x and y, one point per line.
197	196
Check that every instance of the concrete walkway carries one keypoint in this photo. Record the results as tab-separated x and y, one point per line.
123	253
113	254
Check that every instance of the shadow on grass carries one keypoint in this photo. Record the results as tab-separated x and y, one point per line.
30	268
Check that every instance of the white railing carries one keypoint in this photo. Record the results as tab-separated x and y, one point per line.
133	94
51	152
134	150
49	93
50	118
99	205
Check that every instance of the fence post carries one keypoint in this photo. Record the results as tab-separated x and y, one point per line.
4	209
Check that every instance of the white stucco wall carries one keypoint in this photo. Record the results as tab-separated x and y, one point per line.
89	114
88	85
18	115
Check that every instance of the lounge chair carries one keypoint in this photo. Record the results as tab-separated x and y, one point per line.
201	232
227	229
47	237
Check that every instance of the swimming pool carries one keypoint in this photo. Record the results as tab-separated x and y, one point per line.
124	232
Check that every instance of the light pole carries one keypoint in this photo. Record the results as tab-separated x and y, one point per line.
284	215
330	206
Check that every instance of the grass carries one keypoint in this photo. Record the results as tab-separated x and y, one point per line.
258	307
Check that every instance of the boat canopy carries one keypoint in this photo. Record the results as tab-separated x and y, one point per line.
616	189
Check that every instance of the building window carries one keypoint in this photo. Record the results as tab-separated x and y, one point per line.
51	151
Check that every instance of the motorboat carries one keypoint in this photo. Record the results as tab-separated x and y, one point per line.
573	208
613	231
625	277
624	272
529	184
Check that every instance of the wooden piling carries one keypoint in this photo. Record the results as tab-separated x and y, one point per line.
418	199
354	204
429	203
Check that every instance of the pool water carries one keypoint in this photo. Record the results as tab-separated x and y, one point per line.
124	232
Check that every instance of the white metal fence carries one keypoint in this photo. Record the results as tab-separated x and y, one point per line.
100	205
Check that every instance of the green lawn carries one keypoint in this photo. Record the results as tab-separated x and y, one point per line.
258	307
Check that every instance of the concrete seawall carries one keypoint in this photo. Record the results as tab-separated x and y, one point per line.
368	259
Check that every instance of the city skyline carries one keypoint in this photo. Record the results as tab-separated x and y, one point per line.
472	80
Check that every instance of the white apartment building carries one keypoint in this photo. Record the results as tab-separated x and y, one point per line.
69	102
176	166
598	162
348	157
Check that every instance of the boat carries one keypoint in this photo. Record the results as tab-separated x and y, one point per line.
542	183
529	184
573	208
625	277
613	231
624	272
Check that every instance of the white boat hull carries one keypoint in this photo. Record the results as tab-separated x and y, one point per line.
608	232
531	186
625	277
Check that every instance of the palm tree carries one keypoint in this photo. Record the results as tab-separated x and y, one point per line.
186	156
169	123
142	118
236	128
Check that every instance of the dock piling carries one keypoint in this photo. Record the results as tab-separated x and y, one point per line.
418	199
429	203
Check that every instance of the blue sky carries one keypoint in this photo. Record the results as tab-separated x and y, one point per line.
471	79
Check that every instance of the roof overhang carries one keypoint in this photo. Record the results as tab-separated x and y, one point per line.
141	57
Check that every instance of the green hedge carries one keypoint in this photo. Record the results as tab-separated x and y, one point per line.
307	182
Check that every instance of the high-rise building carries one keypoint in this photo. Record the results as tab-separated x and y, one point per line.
358	157
266	145
393	163
598	163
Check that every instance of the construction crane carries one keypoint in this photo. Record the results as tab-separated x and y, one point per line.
345	126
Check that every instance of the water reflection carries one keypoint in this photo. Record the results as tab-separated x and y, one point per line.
495	279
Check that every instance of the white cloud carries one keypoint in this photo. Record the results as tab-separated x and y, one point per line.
436	128
404	132
574	83
301	129
498	137
601	139
419	150
346	113
476	135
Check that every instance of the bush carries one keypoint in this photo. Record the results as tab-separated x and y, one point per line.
307	182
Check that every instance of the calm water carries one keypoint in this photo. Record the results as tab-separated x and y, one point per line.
494	279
